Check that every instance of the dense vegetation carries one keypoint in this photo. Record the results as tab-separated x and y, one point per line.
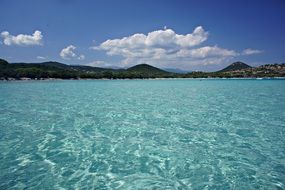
59	70
9	71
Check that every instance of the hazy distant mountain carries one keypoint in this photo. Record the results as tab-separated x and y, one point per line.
235	67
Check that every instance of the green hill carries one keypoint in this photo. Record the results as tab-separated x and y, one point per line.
145	68
92	69
3	62
147	71
236	66
75	67
55	64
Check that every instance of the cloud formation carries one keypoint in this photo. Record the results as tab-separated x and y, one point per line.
69	53
156	41
41	57
251	51
164	48
207	51
22	39
81	57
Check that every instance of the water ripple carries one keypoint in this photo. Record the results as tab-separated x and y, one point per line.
168	134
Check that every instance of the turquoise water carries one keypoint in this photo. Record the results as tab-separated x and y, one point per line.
142	134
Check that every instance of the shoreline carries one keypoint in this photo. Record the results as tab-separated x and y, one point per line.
108	79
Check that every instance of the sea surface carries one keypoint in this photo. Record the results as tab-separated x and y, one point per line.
142	134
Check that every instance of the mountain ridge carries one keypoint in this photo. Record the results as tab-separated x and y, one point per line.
52	69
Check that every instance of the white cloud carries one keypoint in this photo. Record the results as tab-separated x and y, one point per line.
69	52
81	57
207	51
161	39
22	39
166	48
251	51
153	48
41	57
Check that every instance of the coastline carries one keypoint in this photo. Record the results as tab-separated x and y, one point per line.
109	79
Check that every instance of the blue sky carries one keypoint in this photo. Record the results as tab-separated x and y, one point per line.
191	35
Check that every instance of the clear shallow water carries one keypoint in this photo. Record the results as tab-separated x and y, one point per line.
142	134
